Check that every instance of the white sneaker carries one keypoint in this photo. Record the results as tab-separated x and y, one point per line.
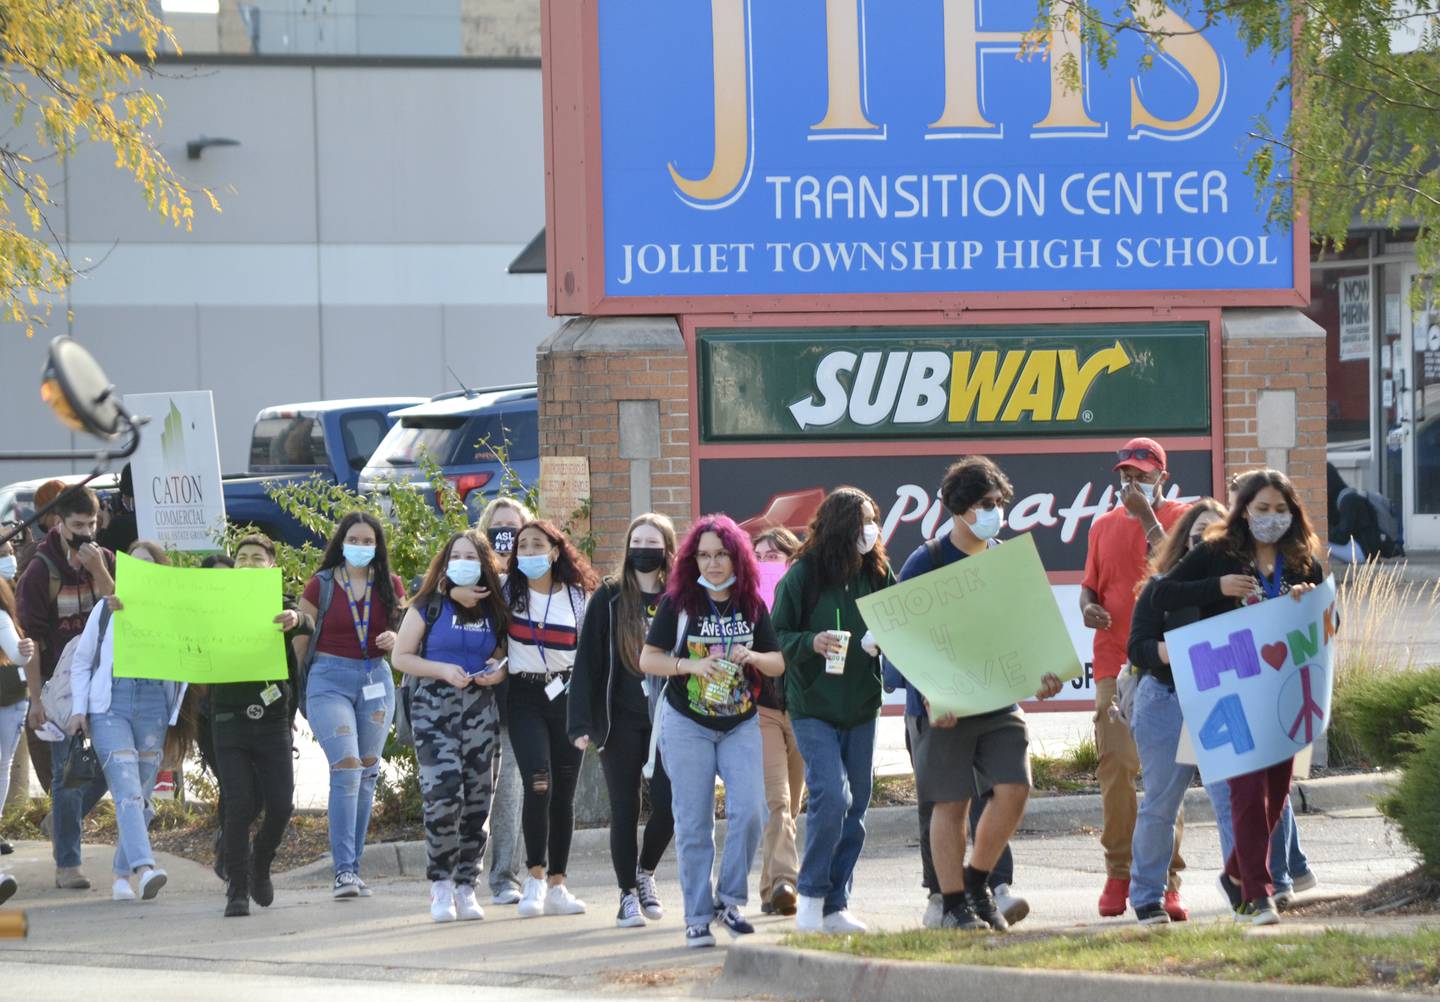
559	901
506	896
810	914
842	922
467	909
650	905
934	912
1011	905
150	883
442	901
122	891
532	898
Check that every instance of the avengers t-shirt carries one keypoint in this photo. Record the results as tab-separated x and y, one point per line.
719	704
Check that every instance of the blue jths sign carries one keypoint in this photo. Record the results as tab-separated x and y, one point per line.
761	148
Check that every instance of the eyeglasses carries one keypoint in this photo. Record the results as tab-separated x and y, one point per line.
1136	454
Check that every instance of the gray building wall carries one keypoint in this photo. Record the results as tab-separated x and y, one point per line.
369	215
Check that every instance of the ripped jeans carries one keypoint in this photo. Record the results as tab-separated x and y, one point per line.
349	704
129	740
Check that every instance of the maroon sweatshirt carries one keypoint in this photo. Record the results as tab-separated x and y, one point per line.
55	623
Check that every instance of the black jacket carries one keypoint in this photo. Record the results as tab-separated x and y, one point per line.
1195	581
597	666
1147	632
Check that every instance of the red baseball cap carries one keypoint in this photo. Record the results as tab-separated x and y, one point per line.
1143	454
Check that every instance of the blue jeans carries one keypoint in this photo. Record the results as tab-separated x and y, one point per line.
838	774
699	754
68	808
1155	723
352	729
1287	859
129	740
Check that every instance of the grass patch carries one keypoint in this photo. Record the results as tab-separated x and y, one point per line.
1405	961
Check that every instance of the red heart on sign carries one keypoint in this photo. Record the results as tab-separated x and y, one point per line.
1274	654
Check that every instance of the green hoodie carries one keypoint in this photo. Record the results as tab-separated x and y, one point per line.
842	701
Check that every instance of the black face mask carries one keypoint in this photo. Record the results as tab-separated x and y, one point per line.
80	539
645	559
503	540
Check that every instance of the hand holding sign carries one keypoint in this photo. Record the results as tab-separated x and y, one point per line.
978	634
1255	684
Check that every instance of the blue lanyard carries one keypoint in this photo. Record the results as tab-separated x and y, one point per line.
540	643
359	618
1276	580
719	622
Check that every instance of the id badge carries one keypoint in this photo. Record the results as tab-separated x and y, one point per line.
270	694
555	688
373	691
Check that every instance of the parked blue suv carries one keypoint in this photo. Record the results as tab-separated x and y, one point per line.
459	431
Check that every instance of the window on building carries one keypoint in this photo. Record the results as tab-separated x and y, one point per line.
1342	301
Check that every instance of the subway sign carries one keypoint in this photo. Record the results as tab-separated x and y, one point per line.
763	148
920	382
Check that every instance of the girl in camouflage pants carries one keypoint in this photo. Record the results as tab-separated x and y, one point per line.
454	656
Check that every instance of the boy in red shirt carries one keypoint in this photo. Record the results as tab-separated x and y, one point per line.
1120	543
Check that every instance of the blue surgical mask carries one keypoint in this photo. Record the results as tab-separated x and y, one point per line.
709	585
463	572
534	566
359	556
987	523
8	566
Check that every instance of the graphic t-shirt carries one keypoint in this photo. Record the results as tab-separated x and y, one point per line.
544	631
456	641
719	704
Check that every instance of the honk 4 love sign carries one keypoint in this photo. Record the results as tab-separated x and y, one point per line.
1255	684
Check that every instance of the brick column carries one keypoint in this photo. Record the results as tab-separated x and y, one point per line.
1273	363
617	390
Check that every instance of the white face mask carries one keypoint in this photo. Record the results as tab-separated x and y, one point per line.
869	536
987	524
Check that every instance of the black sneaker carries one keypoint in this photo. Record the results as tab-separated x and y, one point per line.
5	848
629	917
1152	914
698	935
733	921
262	889
982	903
962	917
347	885
237	900
1231	891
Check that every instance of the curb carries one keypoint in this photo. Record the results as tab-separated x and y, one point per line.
841	978
1043	816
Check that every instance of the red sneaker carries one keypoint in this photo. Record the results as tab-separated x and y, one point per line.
1113	898
1175	908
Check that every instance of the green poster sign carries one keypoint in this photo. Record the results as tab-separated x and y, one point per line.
188	624
947	382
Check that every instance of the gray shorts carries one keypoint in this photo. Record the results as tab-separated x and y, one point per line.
948	758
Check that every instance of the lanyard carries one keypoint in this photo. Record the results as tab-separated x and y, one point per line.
539	631
360	611
1276	580
719	622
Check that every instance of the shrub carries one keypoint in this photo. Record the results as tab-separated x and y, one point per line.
1382	714
1415	804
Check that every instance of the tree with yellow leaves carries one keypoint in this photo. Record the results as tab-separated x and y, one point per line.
66	84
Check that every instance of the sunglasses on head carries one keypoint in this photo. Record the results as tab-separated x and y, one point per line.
1136	454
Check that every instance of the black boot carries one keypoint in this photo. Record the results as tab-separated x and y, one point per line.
261	889
219	864
237	899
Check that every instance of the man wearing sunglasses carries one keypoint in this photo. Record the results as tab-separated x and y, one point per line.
1120	543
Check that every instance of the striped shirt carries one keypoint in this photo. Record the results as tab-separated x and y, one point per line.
543	635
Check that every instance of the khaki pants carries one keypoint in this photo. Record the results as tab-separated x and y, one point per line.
784	786
1119	765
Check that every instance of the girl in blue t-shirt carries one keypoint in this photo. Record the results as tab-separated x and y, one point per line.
456	657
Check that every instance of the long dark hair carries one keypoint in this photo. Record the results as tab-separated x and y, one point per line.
335	557
684	589
829	545
570	567
1177	542
1299	546
436	581
630	613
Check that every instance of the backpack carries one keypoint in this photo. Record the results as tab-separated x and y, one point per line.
404	727
57	696
1392	537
